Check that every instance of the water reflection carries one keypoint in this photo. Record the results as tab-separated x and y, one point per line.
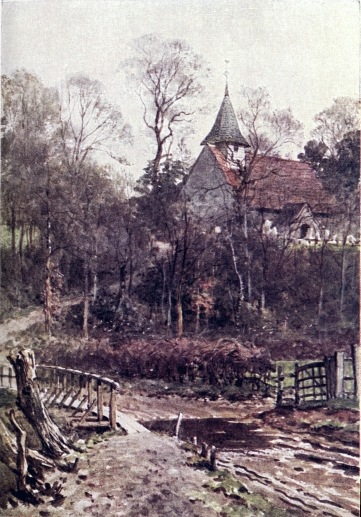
225	434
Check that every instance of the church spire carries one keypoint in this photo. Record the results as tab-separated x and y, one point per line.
225	128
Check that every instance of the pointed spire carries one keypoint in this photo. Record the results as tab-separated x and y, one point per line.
225	128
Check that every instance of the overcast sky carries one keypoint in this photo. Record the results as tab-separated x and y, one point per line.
305	52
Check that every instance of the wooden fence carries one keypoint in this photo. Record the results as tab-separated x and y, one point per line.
81	390
7	377
336	377
75	389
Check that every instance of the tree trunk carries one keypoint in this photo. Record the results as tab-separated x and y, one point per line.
122	277
21	241
169	312
47	296
13	232
95	271
240	291
343	285
198	317
47	289
179	310
156	164
86	304
53	442
248	258
163	297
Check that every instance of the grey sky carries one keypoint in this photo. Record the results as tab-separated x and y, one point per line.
305	52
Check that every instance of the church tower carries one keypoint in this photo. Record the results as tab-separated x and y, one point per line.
225	134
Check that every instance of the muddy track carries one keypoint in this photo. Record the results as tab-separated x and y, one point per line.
299	476
313	475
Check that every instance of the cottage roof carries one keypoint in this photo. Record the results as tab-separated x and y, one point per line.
275	182
225	128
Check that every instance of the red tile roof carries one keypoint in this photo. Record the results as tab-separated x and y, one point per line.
273	182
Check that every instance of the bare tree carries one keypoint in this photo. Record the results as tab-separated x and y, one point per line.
168	75
89	123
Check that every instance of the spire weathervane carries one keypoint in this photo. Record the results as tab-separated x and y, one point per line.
226	73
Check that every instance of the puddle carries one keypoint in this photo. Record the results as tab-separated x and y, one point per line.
227	435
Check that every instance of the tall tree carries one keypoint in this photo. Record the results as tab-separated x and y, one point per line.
334	122
90	127
168	77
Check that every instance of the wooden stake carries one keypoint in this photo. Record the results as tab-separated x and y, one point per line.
177	428
204	450
213	458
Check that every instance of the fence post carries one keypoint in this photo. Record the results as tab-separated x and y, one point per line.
10	371
280	378
177	427
356	358
340	373
90	391
113	408
297	392
100	400
327	362
2	376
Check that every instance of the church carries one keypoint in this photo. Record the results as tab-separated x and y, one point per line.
285	193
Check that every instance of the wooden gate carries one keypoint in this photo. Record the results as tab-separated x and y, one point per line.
336	377
310	382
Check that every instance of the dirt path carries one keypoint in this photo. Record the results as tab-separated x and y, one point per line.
128	476
13	327
312	474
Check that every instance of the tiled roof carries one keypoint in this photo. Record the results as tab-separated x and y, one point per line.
225	128
275	182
